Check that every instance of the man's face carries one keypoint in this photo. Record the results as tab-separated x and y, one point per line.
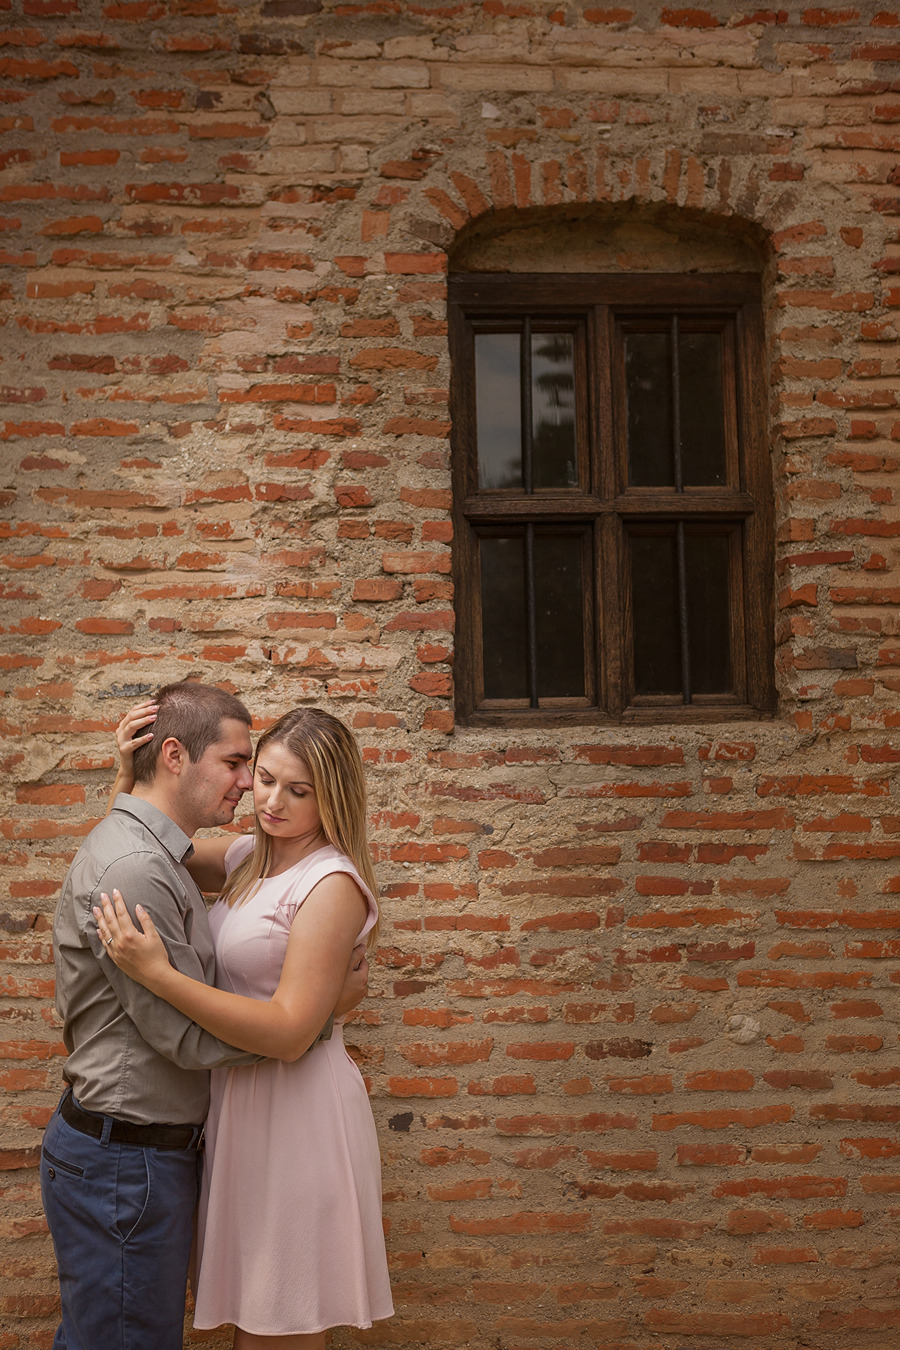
210	789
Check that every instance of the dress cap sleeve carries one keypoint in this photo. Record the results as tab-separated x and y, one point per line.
323	863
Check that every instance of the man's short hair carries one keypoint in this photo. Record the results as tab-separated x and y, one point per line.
191	712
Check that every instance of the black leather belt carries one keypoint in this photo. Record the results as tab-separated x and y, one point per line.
127	1131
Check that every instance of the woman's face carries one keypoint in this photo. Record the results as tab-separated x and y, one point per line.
283	795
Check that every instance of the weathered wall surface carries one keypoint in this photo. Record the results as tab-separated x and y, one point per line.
632	1042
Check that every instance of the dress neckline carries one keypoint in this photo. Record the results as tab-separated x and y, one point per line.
307	857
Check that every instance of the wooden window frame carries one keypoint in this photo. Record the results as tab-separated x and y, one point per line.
602	306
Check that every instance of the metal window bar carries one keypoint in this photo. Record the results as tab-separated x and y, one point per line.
681	564
528	483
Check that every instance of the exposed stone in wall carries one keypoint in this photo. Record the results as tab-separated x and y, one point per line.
632	1042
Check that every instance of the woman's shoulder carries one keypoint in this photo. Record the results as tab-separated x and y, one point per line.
325	862
309	871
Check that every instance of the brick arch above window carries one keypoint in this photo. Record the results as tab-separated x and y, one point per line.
609	237
612	476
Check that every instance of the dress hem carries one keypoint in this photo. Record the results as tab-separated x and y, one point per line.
304	1331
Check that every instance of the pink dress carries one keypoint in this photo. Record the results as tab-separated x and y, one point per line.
290	1238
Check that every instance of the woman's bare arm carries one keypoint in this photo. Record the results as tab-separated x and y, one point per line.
318	952
130	734
207	863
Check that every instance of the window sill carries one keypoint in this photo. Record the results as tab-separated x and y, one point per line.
668	715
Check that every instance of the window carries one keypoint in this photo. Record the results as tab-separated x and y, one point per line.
613	498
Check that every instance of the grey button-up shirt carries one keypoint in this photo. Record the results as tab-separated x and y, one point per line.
130	1054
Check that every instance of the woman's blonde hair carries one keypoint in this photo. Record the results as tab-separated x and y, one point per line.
329	751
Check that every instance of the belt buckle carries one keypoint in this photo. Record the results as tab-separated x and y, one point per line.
200	1144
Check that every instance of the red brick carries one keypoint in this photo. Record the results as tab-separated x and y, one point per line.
422	1087
716	1080
723	1118
785	1256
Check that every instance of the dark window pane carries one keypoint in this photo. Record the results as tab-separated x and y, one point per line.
657	642
702	408
708	583
559	604
504	634
498	407
648	384
553	410
654	592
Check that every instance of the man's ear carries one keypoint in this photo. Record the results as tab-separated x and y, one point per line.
172	755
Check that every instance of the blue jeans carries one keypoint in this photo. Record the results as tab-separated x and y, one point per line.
121	1218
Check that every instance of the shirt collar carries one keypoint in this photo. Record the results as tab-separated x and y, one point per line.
171	836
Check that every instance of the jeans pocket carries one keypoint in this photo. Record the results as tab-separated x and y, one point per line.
61	1164
132	1189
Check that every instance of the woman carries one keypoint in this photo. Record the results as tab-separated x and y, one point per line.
290	1241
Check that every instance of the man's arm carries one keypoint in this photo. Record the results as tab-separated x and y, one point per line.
356	983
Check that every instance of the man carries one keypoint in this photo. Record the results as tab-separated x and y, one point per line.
120	1163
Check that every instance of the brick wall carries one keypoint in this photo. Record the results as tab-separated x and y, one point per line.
632	1042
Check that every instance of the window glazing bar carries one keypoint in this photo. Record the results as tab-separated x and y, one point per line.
687	694
679	529
531	616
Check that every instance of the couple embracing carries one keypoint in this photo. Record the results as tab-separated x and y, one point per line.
205	1050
